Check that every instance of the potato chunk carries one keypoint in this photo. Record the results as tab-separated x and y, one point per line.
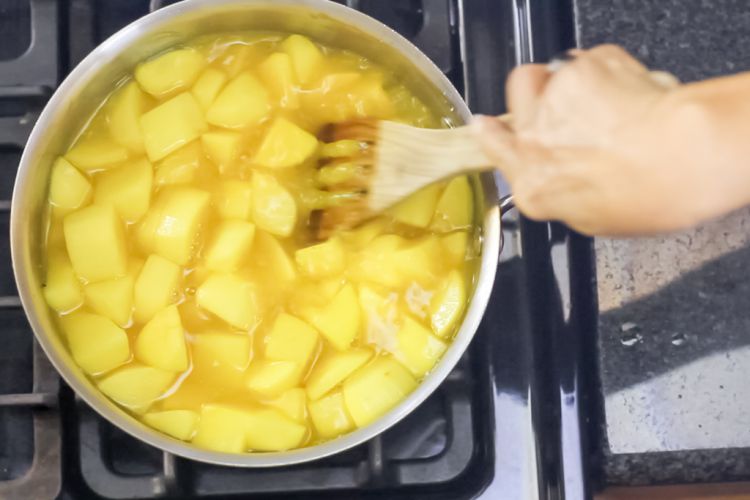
291	339
97	344
234	200
230	298
171	125
95	239
223	148
322	260
161	342
230	245
181	166
270	378
277	74
243	102
207	87
69	189
229	349
112	299
93	154
455	246
127	188
447	306
156	287
137	386
285	145
305	56
274	209
333	368
419	260
169	72
124	112
270	430
339	321
329	416
291	403
455	207
418	209
418	348
222	428
376	388
62	290
180	424
172	227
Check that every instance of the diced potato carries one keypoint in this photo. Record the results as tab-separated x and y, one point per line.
207	87
181	166
234	200
455	246
270	378
277	74
95	239
171	125
180	424
329	416
419	260
291	339
69	189
169	72
230	298
321	260
308	296
376	388
274	209
223	148
218	348
222	428
172	227
237	58
156	287
339	321
305	56
271	257
137	386
112	299
369	99
97	344
448	304
418	348
359	237
62	290
230	245
333	368
291	403
285	145
127	188
381	316
92	154
455	208
376	262
161	342
269	430
243	102
417	210
123	116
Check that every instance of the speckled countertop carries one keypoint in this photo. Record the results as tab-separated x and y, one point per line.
674	323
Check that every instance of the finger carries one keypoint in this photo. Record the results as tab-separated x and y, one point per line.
523	89
498	142
614	58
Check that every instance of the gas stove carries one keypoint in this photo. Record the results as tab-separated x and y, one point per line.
507	423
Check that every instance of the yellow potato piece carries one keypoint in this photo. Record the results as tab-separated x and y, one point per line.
455	246
419	260
381	316
229	349
97	344
234	200
112	299
369	99
305	55
277	74
69	189
291	403
322	260
222	428
339	321
269	430
376	388
447	306
237	58
137	386
359	238
376	263
180	424
207	87
243	102
161	342
285	145
230	245
172	227
271	257
124	112
95	239
329	416
156	287
127	188
455	208
93	154
291	339
169	72
180	167
62	290
270	378
171	125
274	209
417	210
418	348
230	298
332	368
223	148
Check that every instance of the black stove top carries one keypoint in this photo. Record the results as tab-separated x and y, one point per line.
506	422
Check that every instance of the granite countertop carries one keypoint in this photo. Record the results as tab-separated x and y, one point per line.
674	329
